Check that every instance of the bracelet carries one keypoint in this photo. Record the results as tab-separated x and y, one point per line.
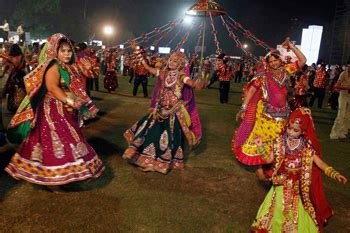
89	104
69	101
327	170
330	172
244	107
293	48
186	79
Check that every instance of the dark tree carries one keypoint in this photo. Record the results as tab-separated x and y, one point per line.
40	17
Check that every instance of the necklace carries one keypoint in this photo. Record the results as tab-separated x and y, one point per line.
279	76
293	145
171	78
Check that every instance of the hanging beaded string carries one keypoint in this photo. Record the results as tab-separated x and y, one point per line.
238	26
215	32
239	45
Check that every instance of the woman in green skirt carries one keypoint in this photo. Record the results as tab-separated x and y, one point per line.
156	142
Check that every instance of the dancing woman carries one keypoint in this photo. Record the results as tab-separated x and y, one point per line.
156	142
265	108
300	91
54	151
296	201
111	80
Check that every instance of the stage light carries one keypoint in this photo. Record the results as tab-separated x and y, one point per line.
191	12
108	30
188	20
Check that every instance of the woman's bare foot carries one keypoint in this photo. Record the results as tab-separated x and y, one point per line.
129	153
55	188
260	174
148	168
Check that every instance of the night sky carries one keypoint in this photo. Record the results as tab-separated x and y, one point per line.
271	21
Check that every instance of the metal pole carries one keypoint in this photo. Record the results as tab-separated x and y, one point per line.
203	39
84	9
202	52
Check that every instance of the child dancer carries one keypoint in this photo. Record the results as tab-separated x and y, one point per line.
296	201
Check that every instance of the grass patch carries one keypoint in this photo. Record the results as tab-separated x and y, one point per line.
214	194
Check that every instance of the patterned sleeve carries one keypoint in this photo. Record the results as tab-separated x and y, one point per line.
291	68
257	82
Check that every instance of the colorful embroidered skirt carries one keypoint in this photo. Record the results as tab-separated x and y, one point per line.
267	128
55	151
156	144
270	217
111	81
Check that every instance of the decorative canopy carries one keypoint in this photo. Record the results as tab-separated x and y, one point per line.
205	8
170	33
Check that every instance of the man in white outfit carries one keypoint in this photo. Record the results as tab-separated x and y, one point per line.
21	34
6	29
342	122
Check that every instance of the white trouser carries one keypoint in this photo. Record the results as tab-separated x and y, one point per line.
342	122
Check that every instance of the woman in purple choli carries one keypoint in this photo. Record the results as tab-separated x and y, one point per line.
188	97
156	142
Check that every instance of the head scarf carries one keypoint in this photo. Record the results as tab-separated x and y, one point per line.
302	116
34	79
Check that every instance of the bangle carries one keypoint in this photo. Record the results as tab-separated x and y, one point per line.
330	172
186	79
244	107
69	101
